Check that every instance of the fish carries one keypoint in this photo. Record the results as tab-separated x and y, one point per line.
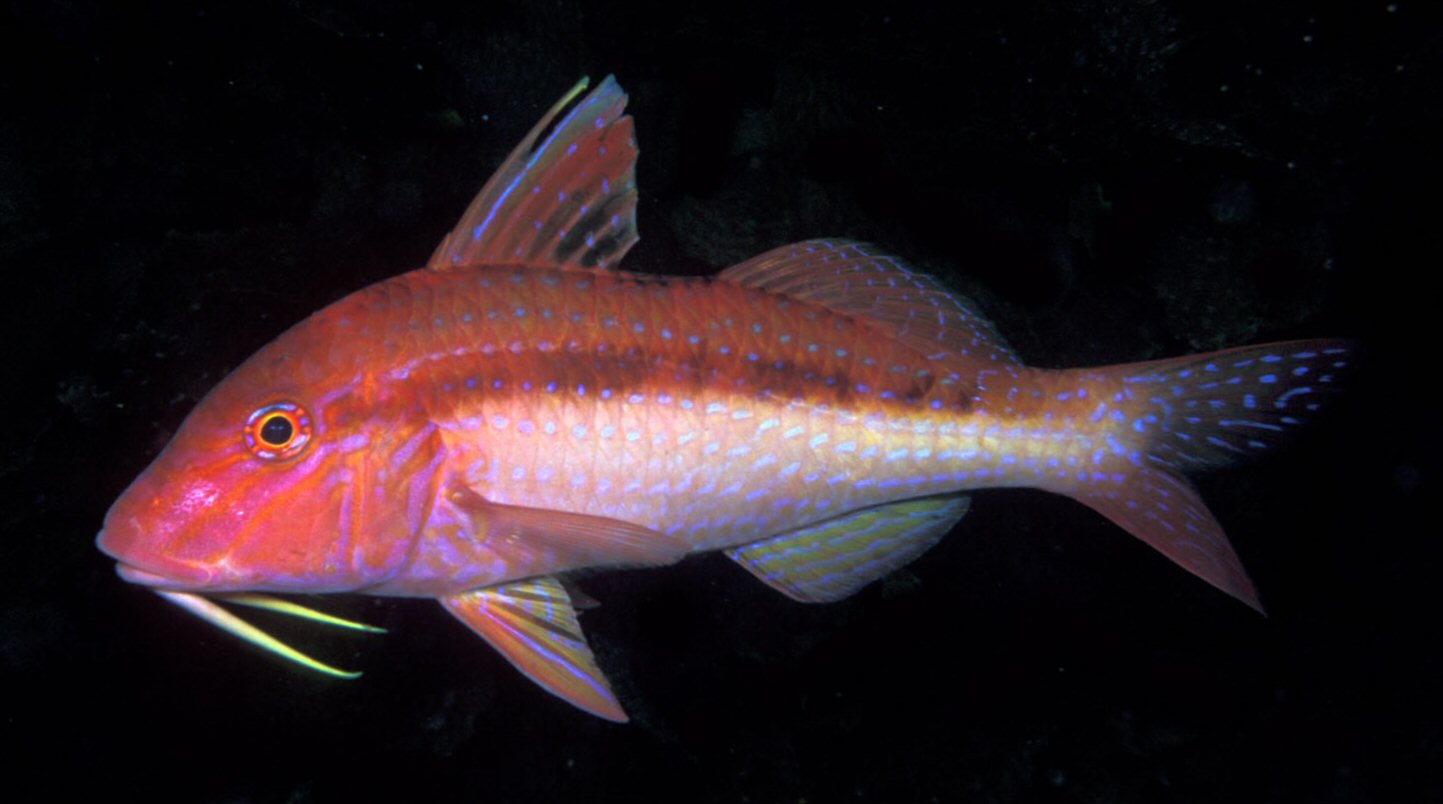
480	430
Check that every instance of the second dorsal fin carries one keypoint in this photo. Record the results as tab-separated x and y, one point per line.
854	279
565	196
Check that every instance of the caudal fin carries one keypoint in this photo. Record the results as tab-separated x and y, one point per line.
1200	412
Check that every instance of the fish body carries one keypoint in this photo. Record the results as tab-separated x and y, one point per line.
519	409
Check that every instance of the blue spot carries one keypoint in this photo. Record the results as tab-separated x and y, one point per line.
1282	401
1268	378
476	233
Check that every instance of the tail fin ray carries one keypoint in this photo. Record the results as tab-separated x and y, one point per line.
1207	411
1162	509
1202	412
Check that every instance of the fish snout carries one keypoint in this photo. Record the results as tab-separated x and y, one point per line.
145	547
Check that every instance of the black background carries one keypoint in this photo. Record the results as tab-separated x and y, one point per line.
1112	181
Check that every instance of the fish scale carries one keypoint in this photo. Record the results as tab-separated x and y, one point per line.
731	387
517	410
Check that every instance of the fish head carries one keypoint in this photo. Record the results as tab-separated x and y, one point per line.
268	485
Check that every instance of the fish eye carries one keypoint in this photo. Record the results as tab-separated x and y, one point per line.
278	431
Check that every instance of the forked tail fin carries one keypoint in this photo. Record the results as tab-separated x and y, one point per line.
1199	412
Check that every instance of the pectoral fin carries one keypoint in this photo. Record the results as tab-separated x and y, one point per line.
542	540
533	624
833	559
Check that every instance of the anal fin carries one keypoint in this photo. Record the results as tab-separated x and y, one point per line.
532	623
832	560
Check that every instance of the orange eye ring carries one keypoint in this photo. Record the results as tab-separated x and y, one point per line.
278	431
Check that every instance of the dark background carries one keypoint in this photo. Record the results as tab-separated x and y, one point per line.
1112	181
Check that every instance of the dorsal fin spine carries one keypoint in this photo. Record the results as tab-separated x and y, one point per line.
536	153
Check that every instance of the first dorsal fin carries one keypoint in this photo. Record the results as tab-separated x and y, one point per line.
852	278
565	196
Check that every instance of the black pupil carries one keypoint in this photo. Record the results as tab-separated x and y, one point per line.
277	431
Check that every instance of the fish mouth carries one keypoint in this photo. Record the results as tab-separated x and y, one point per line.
154	571
155	580
205	606
193	588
